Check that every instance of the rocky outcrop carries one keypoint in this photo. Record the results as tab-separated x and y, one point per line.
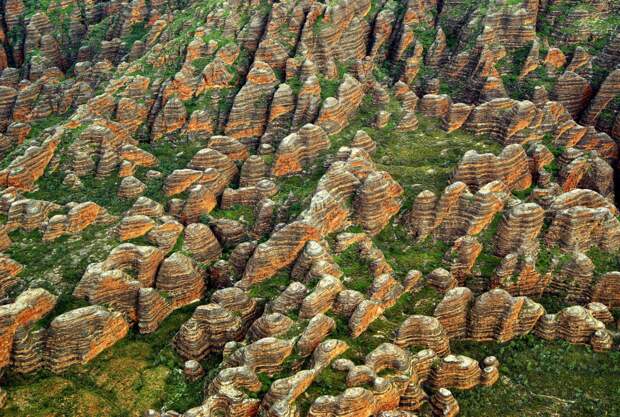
574	324
510	166
218	169
253	171
423	331
280	115
298	149
334	114
166	234
319	327
574	278
434	105
213	325
462	257
201	242
130	188
364	141
313	257
170	119
290	299
456	116
608	90
78	218
247	120
518	275
279	251
248	196
321	299
456	371
200	201
443	403
181	280
142	260
421	217
251	85
76	337
24	170
228	146
496	315
441	280
269	325
132	227
453	310
114	288
265	355
376	201
573	91
9	269
363	315
29	307
229	232
180	180
606	290
579	228
457	212
518	230
308	102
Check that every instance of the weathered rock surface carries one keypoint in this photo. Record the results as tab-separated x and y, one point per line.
77	336
231	143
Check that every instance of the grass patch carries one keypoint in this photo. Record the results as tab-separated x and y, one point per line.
58	265
426	157
541	378
404	255
355	268
271	288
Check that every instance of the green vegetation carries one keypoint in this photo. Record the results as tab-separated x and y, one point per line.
418	160
426	157
329	88
355	268
180	32
97	34
99	190
138	33
32	6
487	261
295	84
237	212
328	382
271	288
302	187
541	378
604	261
421	302
137	373
602	27
58	265
523	88
426	35
404	255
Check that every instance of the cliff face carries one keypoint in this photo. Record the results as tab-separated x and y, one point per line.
320	199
